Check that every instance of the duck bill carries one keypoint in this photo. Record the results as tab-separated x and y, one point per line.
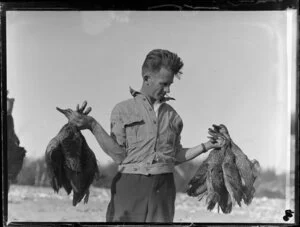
65	112
62	111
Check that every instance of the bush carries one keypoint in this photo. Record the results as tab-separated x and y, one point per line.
183	174
271	185
268	184
107	173
33	173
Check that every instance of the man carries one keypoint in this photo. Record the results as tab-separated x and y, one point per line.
145	142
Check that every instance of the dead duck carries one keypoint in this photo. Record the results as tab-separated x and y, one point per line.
209	182
221	176
71	163
248	170
226	176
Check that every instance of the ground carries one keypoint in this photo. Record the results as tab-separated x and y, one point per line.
34	204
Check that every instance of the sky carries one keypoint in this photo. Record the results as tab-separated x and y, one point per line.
238	70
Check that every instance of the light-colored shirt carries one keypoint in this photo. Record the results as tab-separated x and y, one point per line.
156	106
150	138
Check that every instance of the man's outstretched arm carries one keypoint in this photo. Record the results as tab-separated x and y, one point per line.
186	154
107	143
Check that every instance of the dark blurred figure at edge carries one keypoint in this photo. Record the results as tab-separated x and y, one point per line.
15	153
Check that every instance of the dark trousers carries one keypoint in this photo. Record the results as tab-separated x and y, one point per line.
141	198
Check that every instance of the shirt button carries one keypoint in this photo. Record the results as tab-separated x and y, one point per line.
154	121
144	99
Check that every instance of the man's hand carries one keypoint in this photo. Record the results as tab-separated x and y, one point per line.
216	139
81	109
79	117
216	143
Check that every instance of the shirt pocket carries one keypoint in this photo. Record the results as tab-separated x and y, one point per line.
132	125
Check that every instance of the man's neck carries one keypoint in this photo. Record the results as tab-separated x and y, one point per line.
146	93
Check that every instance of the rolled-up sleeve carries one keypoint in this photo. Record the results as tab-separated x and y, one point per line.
117	127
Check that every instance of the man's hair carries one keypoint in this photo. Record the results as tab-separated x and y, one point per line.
158	58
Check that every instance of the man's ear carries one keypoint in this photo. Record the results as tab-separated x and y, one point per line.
146	78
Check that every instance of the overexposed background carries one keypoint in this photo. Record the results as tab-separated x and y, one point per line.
237	71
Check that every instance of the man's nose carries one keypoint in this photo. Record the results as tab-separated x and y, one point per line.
167	89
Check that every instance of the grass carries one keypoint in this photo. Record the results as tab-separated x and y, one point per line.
269	184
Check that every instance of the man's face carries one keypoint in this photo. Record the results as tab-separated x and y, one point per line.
159	83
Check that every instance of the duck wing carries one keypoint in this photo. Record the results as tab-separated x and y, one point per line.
71	143
215	182
89	172
212	197
232	177
197	185
55	166
248	171
225	201
218	182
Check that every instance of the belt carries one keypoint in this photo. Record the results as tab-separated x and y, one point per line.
145	169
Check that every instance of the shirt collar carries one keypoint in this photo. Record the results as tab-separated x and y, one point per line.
134	93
